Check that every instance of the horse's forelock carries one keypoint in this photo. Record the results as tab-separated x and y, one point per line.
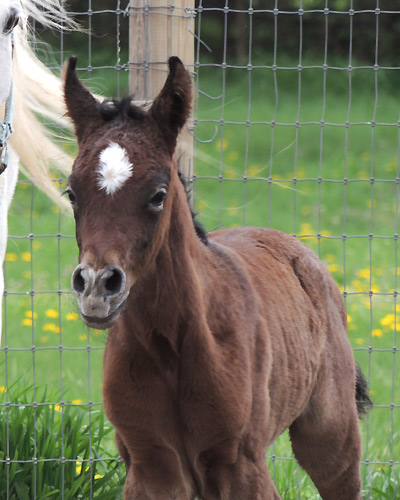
124	108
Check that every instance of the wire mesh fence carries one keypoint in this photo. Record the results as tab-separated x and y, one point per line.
296	127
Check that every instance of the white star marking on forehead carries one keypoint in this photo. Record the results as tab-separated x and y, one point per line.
114	168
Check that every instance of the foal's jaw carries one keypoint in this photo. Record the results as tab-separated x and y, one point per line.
101	294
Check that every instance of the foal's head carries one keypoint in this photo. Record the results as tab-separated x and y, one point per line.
121	188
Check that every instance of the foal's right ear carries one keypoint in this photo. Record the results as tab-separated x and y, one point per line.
82	107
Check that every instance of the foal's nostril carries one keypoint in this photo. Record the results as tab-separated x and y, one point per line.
78	283
113	284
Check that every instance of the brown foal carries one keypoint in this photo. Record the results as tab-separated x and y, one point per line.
217	343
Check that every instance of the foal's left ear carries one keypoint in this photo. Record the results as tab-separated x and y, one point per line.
172	106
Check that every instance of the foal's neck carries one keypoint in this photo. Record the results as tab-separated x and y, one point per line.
170	294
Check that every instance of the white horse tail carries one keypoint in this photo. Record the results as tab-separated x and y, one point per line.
38	92
49	13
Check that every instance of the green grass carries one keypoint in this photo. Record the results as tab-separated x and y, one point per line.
243	177
66	457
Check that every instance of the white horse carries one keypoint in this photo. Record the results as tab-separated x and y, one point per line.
37	92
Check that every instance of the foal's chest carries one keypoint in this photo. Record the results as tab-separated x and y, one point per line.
165	402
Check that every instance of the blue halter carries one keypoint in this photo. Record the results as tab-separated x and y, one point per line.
6	128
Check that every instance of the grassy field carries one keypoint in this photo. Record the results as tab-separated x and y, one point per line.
332	186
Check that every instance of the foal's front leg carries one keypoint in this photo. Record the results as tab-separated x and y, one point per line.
244	480
157	476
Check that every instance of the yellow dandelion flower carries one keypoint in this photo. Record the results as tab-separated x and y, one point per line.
375	289
3	389
349	318
306	228
369	203
389	167
11	257
330	257
26	256
36	245
230	174
51	327
363	273
98	476
79	467
254	171
326	233
233	155
44	339
360	341
76	401
30	314
52	313
357	285
332	268
387	320
72	316
27	322
376	332
300	173
201	205
276	176
83	336
97	332
362	174
222	144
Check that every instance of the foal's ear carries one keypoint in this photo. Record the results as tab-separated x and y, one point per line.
82	107
172	107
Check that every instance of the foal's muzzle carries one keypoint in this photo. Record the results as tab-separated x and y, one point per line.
101	294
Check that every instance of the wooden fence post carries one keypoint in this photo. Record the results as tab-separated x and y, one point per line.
159	29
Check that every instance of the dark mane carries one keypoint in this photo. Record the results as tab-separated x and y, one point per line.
124	108
198	226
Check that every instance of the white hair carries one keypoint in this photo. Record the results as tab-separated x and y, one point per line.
38	93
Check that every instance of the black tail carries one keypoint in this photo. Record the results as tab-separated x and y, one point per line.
364	402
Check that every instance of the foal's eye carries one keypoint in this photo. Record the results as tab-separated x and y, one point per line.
71	196
157	202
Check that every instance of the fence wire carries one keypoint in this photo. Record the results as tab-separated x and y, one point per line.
295	128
